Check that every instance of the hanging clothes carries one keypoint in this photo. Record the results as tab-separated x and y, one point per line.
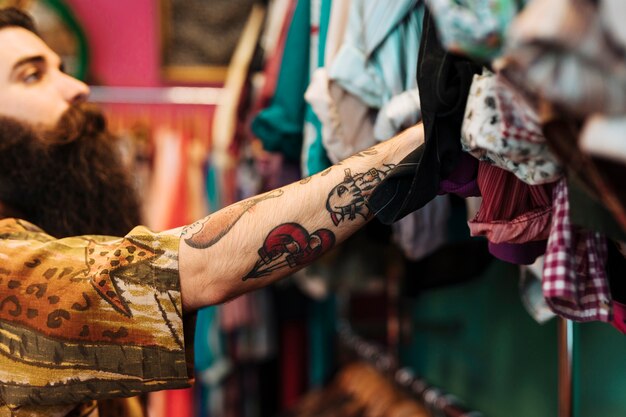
274	50
314	158
498	130
575	283
443	81
377	61
559	50
511	211
347	122
369	63
475	28
280	125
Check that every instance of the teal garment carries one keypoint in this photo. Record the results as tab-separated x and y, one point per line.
322	323
212	188
314	157
378	57
210	362
279	126
208	343
476	28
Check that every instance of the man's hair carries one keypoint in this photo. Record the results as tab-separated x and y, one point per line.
13	17
70	180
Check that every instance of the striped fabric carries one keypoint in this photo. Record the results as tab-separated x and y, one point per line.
511	211
575	282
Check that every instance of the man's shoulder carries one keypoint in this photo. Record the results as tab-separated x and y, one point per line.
14	230
12	224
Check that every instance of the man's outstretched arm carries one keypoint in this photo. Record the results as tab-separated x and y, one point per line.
257	241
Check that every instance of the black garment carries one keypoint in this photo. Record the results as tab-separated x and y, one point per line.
454	263
616	271
587	211
444	81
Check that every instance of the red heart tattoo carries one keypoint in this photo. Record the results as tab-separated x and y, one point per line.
290	245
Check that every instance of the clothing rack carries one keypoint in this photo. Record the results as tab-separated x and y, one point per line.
436	400
210	96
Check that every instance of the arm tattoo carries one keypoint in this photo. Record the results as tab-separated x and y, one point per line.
349	197
290	246
309	178
205	233
368	152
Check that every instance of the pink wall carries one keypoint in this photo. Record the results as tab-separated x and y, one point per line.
124	40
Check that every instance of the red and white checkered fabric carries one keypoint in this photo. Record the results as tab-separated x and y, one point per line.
519	120
575	282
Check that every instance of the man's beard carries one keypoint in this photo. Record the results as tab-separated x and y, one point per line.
70	180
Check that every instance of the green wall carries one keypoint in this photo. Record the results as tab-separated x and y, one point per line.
476	341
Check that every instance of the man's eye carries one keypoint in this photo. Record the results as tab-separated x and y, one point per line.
32	77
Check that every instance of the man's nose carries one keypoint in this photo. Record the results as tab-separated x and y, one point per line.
73	90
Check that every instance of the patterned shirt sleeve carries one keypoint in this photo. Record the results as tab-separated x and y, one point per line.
90	317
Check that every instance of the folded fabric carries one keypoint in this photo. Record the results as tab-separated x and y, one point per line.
443	81
511	211
500	130
575	282
476	28
559	50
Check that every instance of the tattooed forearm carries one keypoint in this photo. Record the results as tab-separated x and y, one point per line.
208	231
349	198
290	246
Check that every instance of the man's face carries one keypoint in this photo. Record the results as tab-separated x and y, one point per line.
33	86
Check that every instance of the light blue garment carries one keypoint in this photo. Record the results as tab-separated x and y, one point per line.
476	28
378	57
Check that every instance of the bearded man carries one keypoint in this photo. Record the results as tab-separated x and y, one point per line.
93	307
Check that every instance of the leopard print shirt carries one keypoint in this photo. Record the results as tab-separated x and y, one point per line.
87	318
